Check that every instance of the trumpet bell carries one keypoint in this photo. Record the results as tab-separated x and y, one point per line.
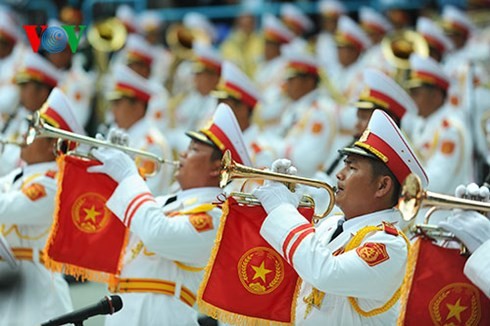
410	202
413	197
108	35
180	40
397	48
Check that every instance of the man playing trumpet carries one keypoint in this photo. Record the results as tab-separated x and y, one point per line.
160	277
26	214
352	266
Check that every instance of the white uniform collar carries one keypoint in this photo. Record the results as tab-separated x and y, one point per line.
206	194
39	167
139	129
354	224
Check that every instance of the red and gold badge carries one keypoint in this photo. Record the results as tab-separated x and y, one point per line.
447	147
373	253
260	270
34	191
456	304
201	222
317	128
89	212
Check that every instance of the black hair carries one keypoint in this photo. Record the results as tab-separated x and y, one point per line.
380	169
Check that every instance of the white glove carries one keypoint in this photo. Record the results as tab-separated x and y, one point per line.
273	194
283	166
473	191
115	136
471	227
115	163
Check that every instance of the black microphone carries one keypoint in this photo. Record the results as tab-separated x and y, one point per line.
106	306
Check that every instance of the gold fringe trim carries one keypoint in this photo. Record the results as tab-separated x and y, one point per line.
224	315
80	273
407	281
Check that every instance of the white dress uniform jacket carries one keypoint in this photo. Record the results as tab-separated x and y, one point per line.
191	113
477	268
309	131
178	238
26	215
444	147
144	136
17	126
324	266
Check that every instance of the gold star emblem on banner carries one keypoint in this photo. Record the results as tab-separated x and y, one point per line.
261	271
455	310
91	214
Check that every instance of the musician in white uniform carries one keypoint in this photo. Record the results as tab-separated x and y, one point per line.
27	201
352	266
172	236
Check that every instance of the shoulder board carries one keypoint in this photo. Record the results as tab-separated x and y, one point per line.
199	209
51	174
389	228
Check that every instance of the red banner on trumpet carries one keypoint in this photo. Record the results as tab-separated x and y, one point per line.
246	280
86	239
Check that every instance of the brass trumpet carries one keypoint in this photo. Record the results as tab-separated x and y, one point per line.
39	129
232	170
413	197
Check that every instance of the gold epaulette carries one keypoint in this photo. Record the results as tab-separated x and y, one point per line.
198	209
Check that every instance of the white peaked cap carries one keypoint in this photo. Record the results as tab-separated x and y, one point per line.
293	14
372	19
58	112
300	62
224	132
383	140
126	14
207	57
234	83
149	20
456	19
426	71
195	20
128	83
383	91
434	34
39	69
348	31
331	7
8	28
138	49
275	30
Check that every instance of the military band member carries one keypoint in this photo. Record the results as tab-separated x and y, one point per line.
376	27
27	200
352	266
12	52
439	44
308	125
440	137
330	12
298	22
129	100
193	109
36	79
352	42
162	272
237	90
269	76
